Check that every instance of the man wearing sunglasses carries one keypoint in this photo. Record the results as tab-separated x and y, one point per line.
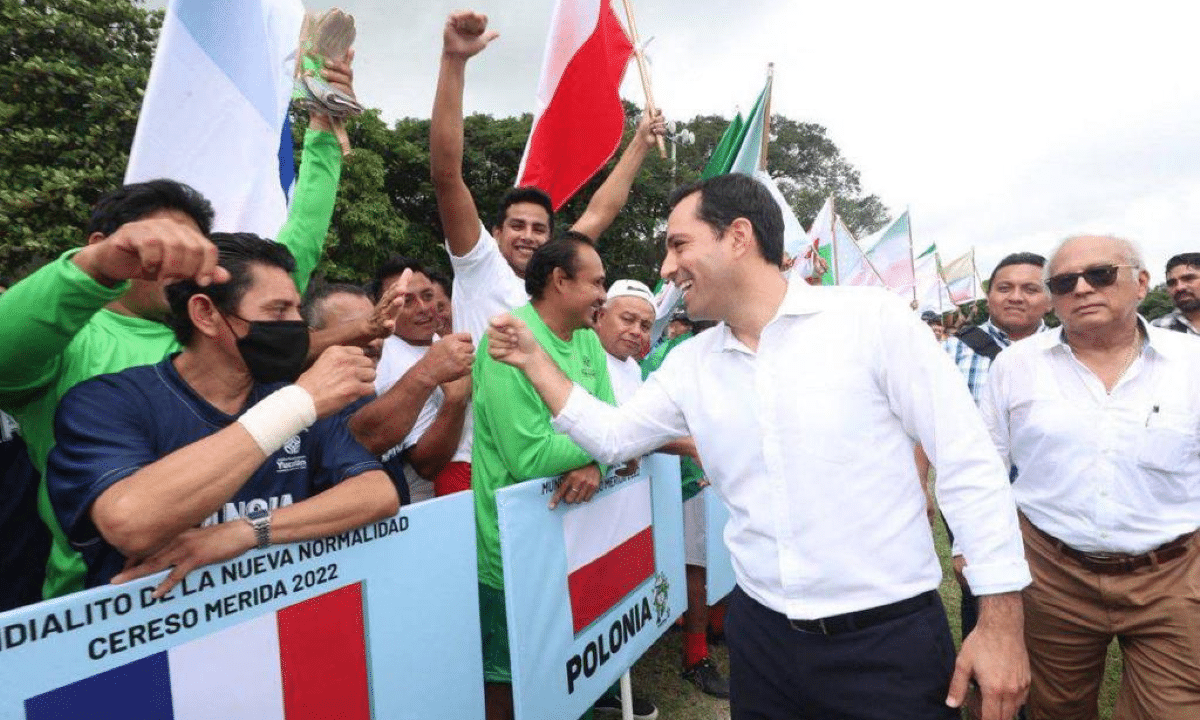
1183	282
1102	418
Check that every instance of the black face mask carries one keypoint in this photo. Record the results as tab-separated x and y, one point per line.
274	350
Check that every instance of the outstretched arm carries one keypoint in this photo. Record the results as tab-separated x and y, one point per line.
465	35
612	195
316	185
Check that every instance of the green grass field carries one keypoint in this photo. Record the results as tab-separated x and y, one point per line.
657	674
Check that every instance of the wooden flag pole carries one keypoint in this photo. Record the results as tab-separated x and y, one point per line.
766	138
641	63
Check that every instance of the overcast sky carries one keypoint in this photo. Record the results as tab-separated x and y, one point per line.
1004	126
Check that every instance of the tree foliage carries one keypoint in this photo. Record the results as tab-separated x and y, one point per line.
72	74
1156	303
390	166
74	71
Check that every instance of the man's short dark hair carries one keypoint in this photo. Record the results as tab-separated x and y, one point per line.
1191	259
1021	258
561	252
134	202
441	279
318	292
725	198
394	265
236	253
524	194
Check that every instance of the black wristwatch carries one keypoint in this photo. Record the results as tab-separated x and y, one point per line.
260	520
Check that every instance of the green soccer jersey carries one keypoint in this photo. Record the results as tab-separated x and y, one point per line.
514	440
55	333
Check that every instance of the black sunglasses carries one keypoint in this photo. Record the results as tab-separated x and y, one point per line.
1097	277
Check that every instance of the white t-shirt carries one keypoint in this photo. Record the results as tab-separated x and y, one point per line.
397	358
484	286
625	376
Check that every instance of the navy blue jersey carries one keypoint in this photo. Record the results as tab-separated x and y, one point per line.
393	464
24	538
111	426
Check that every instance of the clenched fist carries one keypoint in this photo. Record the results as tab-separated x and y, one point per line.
340	376
165	245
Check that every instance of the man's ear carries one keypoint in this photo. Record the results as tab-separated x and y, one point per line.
204	315
741	235
95	238
558	277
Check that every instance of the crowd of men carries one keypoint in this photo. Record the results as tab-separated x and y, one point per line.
184	396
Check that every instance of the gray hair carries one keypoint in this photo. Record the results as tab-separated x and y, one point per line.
1131	250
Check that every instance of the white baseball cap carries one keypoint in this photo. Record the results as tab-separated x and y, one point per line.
631	288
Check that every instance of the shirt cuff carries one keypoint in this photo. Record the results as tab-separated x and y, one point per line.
996	578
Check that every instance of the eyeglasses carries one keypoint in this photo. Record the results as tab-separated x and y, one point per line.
1097	277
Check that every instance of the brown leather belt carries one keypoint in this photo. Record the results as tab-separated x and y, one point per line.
1105	563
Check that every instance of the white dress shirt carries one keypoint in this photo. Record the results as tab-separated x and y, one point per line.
1102	472
484	285
809	441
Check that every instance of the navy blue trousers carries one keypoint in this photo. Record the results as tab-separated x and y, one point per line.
897	670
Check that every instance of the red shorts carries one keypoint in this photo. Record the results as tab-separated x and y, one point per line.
454	477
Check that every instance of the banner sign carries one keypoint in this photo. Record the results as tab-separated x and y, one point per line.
378	622
589	587
719	575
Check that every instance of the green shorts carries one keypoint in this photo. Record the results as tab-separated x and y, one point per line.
493	625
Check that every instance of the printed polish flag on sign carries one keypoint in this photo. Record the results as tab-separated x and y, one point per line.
610	550
578	119
307	661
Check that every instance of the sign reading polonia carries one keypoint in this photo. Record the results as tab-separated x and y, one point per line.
589	587
378	622
719	579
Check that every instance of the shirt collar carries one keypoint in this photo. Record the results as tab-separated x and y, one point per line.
1001	336
1153	338
799	299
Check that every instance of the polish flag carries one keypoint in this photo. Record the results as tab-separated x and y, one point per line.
307	661
610	550
578	120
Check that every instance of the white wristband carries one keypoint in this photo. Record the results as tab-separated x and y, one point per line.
279	416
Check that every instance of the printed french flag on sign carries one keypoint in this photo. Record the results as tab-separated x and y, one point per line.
610	550
305	662
578	120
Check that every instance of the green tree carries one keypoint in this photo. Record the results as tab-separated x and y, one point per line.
1156	303
72	73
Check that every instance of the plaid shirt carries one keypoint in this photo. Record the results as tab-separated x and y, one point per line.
1175	320
971	364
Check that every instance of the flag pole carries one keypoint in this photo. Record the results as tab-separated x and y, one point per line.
641	63
974	277
766	137
833	252
867	257
911	261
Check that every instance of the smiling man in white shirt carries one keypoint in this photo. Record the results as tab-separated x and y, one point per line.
836	612
1102	418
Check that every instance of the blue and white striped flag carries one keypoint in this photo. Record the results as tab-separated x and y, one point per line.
215	109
